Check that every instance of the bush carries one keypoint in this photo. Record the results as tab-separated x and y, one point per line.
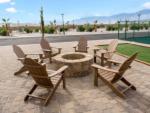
65	29
112	28
21	29
49	30
81	28
146	26
3	32
89	28
28	30
37	30
101	26
134	27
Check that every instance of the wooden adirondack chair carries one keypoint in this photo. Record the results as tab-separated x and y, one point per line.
110	76
49	51
105	54
49	79
21	56
82	45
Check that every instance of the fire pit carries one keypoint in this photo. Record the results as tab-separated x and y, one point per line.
79	63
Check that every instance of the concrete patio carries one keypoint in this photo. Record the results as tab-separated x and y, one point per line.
80	96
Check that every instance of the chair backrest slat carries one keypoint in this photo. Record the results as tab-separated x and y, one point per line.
45	45
113	45
36	70
124	67
18	51
82	45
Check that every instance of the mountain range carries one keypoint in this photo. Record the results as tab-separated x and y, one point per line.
142	15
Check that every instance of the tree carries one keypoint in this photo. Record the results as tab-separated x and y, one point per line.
55	26
95	25
6	25
42	21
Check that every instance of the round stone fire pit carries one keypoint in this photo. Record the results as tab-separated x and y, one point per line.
79	63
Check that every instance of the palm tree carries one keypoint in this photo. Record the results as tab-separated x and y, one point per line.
95	25
42	22
55	26
6	26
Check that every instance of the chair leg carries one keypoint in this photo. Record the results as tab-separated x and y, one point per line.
113	88
116	90
50	94
30	92
50	60
95	77
128	83
95	59
64	81
23	69
102	59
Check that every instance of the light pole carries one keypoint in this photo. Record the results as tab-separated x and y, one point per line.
63	23
42	22
139	16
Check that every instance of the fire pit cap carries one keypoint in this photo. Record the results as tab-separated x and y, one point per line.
73	57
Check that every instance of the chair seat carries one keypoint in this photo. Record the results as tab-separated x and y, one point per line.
106	75
106	56
54	53
55	79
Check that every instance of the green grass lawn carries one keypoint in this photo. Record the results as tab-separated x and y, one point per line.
129	49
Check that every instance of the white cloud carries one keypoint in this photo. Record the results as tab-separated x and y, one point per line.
146	5
12	3
11	10
4	1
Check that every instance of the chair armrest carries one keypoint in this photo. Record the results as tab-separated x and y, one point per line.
47	50
59	49
21	59
75	48
50	71
95	50
43	64
59	71
33	54
40	55
114	61
104	68
56	47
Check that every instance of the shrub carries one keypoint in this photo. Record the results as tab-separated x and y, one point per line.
109	28
65	29
112	28
28	30
89	28
3	32
81	28
134	27
146	26
36	30
49	30
21	29
101	26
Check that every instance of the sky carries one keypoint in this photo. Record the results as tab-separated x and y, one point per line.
28	11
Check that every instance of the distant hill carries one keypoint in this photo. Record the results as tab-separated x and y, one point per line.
145	15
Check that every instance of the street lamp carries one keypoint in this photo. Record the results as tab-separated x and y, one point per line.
139	16
63	23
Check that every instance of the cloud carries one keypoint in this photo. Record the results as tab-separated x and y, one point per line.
11	10
12	3
146	5
4	1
